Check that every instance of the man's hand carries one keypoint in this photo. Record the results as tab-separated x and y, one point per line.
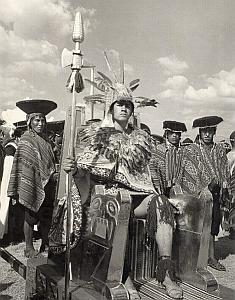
70	165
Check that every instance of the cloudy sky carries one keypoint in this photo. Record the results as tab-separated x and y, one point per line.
183	51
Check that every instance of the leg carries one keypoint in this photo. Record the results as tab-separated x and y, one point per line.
29	220
215	225
160	226
28	233
212	261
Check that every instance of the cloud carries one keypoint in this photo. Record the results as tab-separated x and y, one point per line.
177	82
49	20
128	69
171	65
27	67
13	89
15	48
13	115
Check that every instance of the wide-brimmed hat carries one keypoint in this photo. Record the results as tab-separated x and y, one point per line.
208	121
174	126
41	106
20	124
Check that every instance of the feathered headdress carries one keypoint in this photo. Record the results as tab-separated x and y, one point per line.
114	88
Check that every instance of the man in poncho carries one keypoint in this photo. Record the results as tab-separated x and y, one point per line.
206	165
231	161
31	181
167	158
117	154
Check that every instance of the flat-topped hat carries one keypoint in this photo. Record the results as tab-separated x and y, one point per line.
20	124
56	126
187	141
232	136
174	126
33	106
208	121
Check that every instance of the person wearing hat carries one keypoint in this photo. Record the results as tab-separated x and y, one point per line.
167	158
117	154
212	171
231	161
31	181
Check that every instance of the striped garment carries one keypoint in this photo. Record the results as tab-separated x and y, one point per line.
165	166
32	168
201	165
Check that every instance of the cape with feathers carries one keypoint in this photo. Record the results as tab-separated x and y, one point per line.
117	156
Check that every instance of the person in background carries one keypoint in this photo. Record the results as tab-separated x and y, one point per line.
187	141
31	181
10	211
167	158
2	153
212	171
231	162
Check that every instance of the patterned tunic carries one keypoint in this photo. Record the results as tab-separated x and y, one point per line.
32	168
165	166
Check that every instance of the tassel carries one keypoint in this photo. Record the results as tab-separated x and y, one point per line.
75	78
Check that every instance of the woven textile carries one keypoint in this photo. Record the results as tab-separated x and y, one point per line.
201	165
165	166
121	157
32	168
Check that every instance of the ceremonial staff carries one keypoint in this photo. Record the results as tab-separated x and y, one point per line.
74	84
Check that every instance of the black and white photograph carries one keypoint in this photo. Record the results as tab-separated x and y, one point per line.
117	149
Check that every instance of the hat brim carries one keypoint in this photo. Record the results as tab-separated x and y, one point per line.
36	106
206	122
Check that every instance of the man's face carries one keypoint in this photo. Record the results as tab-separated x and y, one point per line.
207	134
173	137
122	111
38	123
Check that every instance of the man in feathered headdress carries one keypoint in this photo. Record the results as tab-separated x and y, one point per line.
117	154
32	172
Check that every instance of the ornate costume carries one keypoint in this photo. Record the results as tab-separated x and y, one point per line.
118	159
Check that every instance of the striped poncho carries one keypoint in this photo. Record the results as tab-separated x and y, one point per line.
201	165
32	168
165	166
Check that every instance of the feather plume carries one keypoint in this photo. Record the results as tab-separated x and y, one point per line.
105	77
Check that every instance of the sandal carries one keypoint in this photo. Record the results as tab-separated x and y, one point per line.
133	293
31	253
173	290
215	264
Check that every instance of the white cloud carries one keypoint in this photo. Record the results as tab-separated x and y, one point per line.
171	65
13	89
28	67
49	20
128	69
13	115
206	94
177	82
15	48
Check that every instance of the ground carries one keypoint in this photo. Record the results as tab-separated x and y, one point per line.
12	285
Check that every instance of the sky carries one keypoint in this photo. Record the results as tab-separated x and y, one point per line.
182	51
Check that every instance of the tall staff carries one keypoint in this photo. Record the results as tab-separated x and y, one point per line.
74	84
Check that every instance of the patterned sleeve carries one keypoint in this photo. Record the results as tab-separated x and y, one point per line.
156	174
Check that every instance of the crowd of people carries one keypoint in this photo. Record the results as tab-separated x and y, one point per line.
119	155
